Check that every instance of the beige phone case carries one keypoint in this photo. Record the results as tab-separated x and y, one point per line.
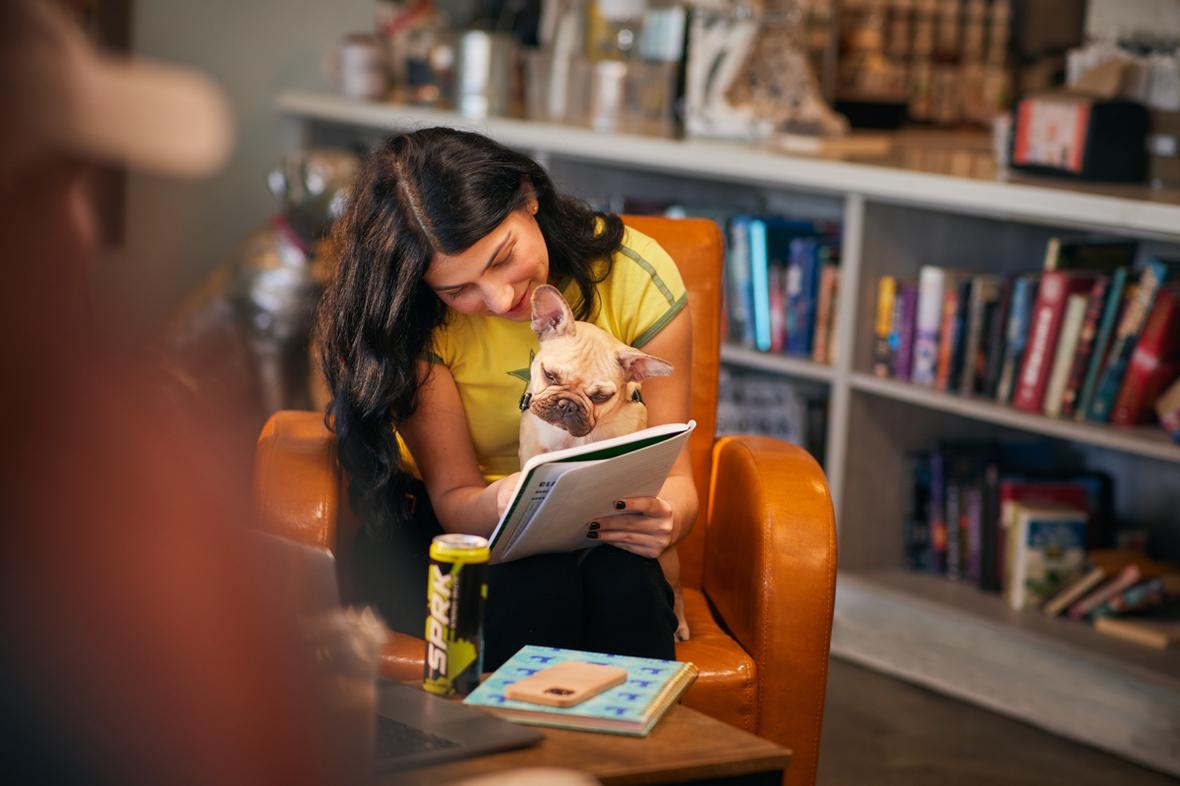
566	684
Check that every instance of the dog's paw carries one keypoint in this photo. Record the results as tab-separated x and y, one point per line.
682	633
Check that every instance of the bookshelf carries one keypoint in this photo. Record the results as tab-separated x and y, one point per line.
935	200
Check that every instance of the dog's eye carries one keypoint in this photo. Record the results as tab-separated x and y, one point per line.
550	377
602	396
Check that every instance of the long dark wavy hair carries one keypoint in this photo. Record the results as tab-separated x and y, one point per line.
421	193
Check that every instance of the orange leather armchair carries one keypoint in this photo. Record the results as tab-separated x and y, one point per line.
759	567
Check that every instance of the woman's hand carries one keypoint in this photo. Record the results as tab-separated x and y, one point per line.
504	488
644	526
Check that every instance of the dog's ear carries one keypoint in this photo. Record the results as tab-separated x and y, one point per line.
639	366
552	316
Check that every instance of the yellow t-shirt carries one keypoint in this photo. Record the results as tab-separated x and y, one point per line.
489	357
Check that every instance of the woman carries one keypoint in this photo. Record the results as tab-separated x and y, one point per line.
425	330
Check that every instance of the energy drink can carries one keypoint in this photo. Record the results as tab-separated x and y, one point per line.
456	588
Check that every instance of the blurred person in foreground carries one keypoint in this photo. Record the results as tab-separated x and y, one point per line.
141	644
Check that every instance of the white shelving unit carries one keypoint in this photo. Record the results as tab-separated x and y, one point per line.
898	214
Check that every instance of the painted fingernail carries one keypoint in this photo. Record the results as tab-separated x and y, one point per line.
619	504
592	535
594	525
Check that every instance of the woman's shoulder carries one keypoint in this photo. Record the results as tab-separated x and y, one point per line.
640	259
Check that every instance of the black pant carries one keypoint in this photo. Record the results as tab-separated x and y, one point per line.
602	599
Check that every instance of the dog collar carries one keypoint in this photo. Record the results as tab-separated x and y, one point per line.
526	398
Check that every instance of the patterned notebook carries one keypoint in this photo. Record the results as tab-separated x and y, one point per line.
632	708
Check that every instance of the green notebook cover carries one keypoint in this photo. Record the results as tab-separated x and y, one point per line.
631	709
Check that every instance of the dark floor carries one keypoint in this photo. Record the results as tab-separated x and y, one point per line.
879	731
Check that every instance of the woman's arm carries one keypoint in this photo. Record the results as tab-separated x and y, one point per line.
439	440
649	525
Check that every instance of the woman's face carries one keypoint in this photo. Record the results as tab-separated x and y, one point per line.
497	275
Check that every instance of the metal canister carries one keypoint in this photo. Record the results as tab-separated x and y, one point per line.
456	588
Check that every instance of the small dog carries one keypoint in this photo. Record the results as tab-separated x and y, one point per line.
584	387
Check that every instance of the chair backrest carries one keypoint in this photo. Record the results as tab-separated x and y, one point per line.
696	245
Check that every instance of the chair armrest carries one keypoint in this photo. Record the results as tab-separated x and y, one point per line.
770	572
296	479
402	657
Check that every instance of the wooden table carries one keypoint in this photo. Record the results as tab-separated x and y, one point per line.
686	746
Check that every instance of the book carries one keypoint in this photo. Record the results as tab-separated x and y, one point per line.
887	316
1106	325
1158	634
759	282
1154	363
1167	408
985	293
956	293
1044	329
1046	548
825	312
806	257
560	492
1024	291
1134	598
994	341
931	281
631	709
937	511
1067	344
1130	574
1103	255
1086	339
738	290
1073	590
1122	346
907	312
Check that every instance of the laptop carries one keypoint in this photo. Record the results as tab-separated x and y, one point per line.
414	728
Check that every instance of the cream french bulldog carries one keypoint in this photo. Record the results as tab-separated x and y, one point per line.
584	387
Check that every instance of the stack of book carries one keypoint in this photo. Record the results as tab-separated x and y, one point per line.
781	285
1088	337
1039	540
965	503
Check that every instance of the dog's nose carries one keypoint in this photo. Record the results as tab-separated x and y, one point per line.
564	405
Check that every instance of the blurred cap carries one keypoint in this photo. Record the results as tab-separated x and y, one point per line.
63	96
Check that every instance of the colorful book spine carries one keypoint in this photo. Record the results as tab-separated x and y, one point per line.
959	345
948	333
1134	598
985	291
973	534
1047	316
1128	576
1106	326
825	310
1081	359
938	520
776	280
1016	336
883	327
1154	363
1123	346
903	355
954	528
741	300
997	332
1047	549
760	283
812	253
1067	344
1168	410
929	322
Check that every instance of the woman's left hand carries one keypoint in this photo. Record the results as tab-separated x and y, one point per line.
642	526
